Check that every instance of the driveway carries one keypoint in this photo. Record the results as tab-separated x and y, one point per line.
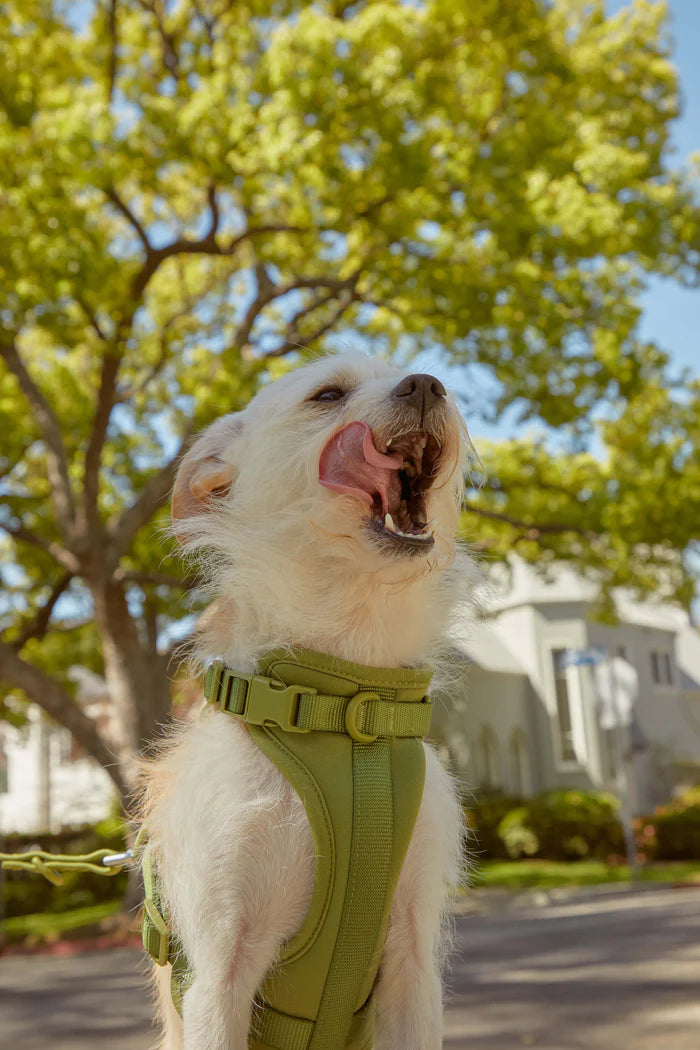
608	973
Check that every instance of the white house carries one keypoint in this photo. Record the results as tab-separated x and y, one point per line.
522	717
46	781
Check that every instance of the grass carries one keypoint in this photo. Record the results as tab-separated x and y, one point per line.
547	874
45	926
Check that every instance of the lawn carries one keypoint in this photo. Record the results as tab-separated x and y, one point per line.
546	874
45	926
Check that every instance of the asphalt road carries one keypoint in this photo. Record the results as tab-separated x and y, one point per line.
620	973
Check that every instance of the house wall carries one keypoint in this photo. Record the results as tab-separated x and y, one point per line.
487	708
46	795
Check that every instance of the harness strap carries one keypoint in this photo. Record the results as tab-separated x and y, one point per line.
293	1033
366	894
366	716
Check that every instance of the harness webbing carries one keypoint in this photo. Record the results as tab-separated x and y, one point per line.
262	701
365	897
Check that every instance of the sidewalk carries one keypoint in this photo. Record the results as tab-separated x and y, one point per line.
493	900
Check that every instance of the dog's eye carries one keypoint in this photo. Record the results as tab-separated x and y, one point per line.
330	393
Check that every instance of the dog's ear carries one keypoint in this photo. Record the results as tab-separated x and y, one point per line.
207	468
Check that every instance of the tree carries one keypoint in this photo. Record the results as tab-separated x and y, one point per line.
194	191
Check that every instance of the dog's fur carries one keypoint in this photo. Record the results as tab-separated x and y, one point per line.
290	563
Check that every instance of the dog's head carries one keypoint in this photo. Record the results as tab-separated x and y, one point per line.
346	465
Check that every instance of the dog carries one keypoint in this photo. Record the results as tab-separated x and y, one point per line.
322	516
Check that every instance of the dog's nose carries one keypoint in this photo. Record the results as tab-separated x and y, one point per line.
420	391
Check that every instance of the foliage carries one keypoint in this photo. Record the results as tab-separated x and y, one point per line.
568	825
484	816
26	895
193	191
678	828
50	926
558	825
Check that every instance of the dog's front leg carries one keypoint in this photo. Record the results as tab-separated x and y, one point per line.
217	1007
408	993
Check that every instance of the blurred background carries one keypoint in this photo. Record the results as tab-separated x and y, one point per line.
196	195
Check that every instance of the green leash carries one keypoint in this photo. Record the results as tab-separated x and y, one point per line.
100	862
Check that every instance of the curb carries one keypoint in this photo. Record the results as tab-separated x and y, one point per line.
499	901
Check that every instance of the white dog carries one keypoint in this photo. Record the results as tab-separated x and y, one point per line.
324	517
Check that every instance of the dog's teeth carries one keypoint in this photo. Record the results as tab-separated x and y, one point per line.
389	442
389	523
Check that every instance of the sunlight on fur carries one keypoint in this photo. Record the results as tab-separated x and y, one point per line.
289	561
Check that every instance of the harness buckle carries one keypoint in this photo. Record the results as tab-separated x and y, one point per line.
273	703
351	712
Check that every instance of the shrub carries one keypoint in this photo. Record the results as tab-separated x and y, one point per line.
25	893
484	816
678	828
558	825
570	825
519	839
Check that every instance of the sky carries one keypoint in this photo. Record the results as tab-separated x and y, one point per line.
672	314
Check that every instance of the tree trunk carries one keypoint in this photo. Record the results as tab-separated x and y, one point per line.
136	676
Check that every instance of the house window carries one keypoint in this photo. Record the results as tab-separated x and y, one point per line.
661	667
621	651
561	689
517	749
488	765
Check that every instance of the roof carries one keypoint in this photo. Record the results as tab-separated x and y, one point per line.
521	584
481	643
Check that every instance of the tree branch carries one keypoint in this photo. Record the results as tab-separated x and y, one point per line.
157	579
60	554
142	510
126	211
270	291
91	316
289	344
38	625
56	459
531	531
56	702
106	399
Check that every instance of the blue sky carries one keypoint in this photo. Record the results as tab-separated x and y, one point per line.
672	314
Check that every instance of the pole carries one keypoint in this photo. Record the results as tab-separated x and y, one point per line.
622	784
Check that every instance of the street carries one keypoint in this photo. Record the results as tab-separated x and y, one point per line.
600	973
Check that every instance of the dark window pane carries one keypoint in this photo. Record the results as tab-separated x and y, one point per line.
566	740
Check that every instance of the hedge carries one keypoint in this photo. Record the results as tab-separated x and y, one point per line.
678	828
574	825
557	825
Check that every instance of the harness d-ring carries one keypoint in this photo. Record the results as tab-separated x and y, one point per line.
351	717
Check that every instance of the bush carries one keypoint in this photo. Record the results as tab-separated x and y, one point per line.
678	828
517	837
558	825
484	817
26	894
571	825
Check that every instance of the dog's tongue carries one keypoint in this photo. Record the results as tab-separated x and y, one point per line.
351	464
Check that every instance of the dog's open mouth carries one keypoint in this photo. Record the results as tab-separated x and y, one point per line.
392	483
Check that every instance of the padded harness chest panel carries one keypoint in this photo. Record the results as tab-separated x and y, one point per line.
361	791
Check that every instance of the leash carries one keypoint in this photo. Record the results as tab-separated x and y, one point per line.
99	862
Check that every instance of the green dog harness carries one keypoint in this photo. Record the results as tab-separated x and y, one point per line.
348	739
